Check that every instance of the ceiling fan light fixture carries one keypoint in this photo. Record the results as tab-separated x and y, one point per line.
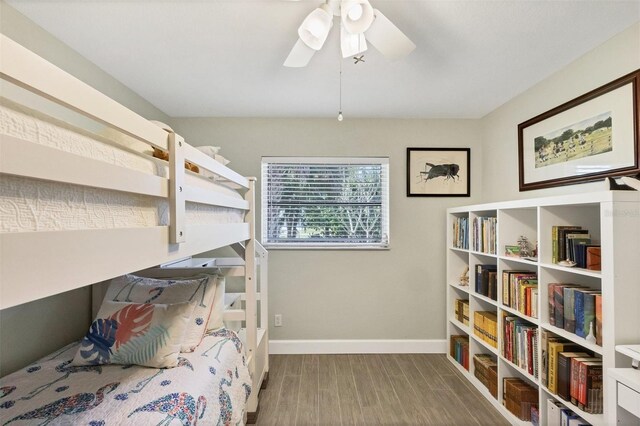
351	44
357	16
315	27
355	12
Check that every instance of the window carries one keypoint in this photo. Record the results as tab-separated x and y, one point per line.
325	202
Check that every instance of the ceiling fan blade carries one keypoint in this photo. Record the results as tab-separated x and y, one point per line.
299	56
387	38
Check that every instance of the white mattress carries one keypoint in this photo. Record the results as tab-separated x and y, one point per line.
34	205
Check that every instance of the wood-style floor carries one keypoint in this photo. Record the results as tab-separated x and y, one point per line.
405	389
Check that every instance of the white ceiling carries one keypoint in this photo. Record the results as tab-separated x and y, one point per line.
224	57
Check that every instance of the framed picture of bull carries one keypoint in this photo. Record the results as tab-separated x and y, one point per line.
588	138
438	172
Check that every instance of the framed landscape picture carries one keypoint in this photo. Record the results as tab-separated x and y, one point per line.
588	138
438	172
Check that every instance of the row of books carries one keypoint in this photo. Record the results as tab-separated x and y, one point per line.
461	233
575	244
459	350
577	310
520	343
520	291
484	234
487	281
519	397
486	371
461	310
485	326
572	373
558	415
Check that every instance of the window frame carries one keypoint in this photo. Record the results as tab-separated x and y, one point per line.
301	245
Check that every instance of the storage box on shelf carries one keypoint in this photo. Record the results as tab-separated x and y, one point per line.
583	322
486	371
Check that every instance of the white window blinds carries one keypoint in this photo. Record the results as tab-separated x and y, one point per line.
325	202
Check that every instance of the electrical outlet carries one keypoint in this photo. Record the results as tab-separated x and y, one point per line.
278	320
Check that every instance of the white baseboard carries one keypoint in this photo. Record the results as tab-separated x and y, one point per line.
291	347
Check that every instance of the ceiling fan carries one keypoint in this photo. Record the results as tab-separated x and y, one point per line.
359	23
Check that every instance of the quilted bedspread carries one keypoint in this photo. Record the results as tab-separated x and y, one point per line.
209	387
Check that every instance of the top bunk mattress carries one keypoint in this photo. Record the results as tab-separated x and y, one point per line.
35	205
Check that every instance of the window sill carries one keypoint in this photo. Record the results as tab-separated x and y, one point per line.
341	248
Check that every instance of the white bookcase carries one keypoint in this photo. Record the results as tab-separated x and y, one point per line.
613	220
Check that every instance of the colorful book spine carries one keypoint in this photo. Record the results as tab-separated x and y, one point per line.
585	311
569	319
565	372
558	305
550	298
562	231
554	349
554	244
575	377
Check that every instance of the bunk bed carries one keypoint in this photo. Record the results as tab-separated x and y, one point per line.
89	205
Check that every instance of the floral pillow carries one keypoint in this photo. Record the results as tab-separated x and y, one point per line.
217	313
135	333
199	290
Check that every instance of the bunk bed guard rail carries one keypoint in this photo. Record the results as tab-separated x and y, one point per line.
29	71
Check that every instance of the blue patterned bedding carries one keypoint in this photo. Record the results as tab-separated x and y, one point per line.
209	387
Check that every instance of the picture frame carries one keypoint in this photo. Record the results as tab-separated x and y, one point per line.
589	138
438	172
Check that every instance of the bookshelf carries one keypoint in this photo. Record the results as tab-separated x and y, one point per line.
612	219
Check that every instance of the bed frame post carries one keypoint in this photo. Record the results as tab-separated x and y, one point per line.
251	299
263	255
176	189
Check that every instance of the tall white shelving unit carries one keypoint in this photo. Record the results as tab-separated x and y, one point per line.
613	219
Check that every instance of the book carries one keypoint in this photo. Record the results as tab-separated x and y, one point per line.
545	338
590	387
598	328
554	244
569	311
492	285
482	278
575	237
550	301
594	384
509	279
554	349
515	281
593	261
558	303
560	242
585	311
575	375
564	373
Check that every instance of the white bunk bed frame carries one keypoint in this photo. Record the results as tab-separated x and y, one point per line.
63	261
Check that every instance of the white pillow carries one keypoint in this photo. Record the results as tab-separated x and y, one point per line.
135	333
199	290
212	151
217	313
